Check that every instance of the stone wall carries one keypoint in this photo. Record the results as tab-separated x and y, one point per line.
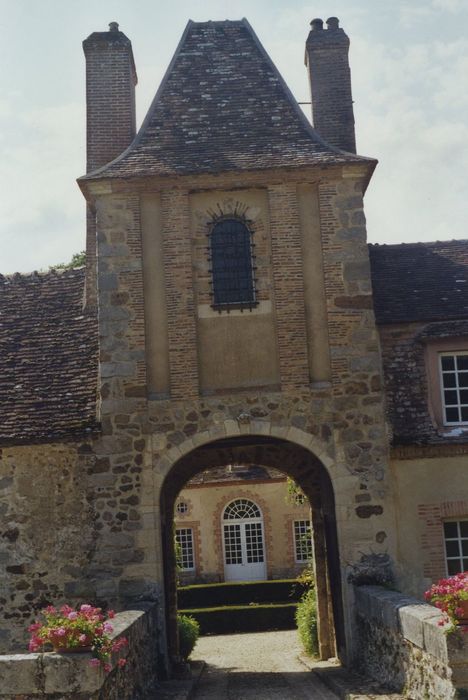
402	645
70	676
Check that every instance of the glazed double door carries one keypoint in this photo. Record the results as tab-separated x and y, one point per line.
244	551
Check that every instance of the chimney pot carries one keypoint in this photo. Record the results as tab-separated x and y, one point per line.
317	24
113	26
333	23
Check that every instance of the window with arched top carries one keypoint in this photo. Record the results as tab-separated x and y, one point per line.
241	509
232	268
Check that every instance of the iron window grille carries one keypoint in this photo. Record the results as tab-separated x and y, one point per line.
232	268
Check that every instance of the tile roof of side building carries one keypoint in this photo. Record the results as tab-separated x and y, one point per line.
48	358
415	282
222	106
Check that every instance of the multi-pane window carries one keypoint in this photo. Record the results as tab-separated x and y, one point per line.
302	540
454	387
456	546
182	507
185	551
232	265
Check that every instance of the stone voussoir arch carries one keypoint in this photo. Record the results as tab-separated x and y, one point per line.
264	428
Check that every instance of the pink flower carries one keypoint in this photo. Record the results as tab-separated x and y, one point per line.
86	608
72	615
108	627
107	668
60	632
82	638
94	662
66	609
34	644
110	614
34	627
50	610
121	663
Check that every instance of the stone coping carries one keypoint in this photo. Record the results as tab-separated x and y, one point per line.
415	620
48	673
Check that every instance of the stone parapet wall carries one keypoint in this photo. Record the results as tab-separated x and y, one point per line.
70	676
402	645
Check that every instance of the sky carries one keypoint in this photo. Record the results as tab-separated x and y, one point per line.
409	67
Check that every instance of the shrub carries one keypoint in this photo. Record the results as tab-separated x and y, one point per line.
244	618
189	630
212	595
306	620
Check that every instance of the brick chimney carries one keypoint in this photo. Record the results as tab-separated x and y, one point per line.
110	117
326	58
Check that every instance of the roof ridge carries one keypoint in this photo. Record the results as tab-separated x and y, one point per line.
418	243
34	274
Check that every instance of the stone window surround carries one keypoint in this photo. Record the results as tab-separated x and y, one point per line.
432	353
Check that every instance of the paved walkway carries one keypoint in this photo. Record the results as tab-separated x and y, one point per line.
259	666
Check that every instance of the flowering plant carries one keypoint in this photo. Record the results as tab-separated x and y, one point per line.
449	595
86	629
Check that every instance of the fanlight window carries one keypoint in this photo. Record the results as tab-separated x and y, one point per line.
232	265
241	509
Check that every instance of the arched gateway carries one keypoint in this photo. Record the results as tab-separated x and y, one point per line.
309	472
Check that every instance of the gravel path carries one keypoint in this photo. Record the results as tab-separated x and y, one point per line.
260	666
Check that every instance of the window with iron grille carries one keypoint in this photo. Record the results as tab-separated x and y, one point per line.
185	553
456	546
302	541
454	386
232	268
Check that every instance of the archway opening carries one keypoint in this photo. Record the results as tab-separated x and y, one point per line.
310	475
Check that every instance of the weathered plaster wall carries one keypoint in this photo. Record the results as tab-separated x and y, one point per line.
429	490
206	504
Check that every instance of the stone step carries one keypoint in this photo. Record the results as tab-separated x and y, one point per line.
346	684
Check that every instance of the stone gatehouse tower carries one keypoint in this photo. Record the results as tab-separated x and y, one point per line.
234	300
228	265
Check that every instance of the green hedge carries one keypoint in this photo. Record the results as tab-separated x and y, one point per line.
244	618
240	593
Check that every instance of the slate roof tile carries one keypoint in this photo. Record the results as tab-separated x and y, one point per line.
222	106
420	281
48	357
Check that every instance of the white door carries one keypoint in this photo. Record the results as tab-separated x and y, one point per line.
243	543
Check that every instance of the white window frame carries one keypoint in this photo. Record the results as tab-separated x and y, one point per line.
456	388
187	548
302	554
460	539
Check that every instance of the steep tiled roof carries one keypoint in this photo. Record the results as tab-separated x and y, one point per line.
420	281
236	473
222	106
48	357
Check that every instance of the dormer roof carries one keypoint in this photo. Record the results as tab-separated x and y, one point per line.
222	106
